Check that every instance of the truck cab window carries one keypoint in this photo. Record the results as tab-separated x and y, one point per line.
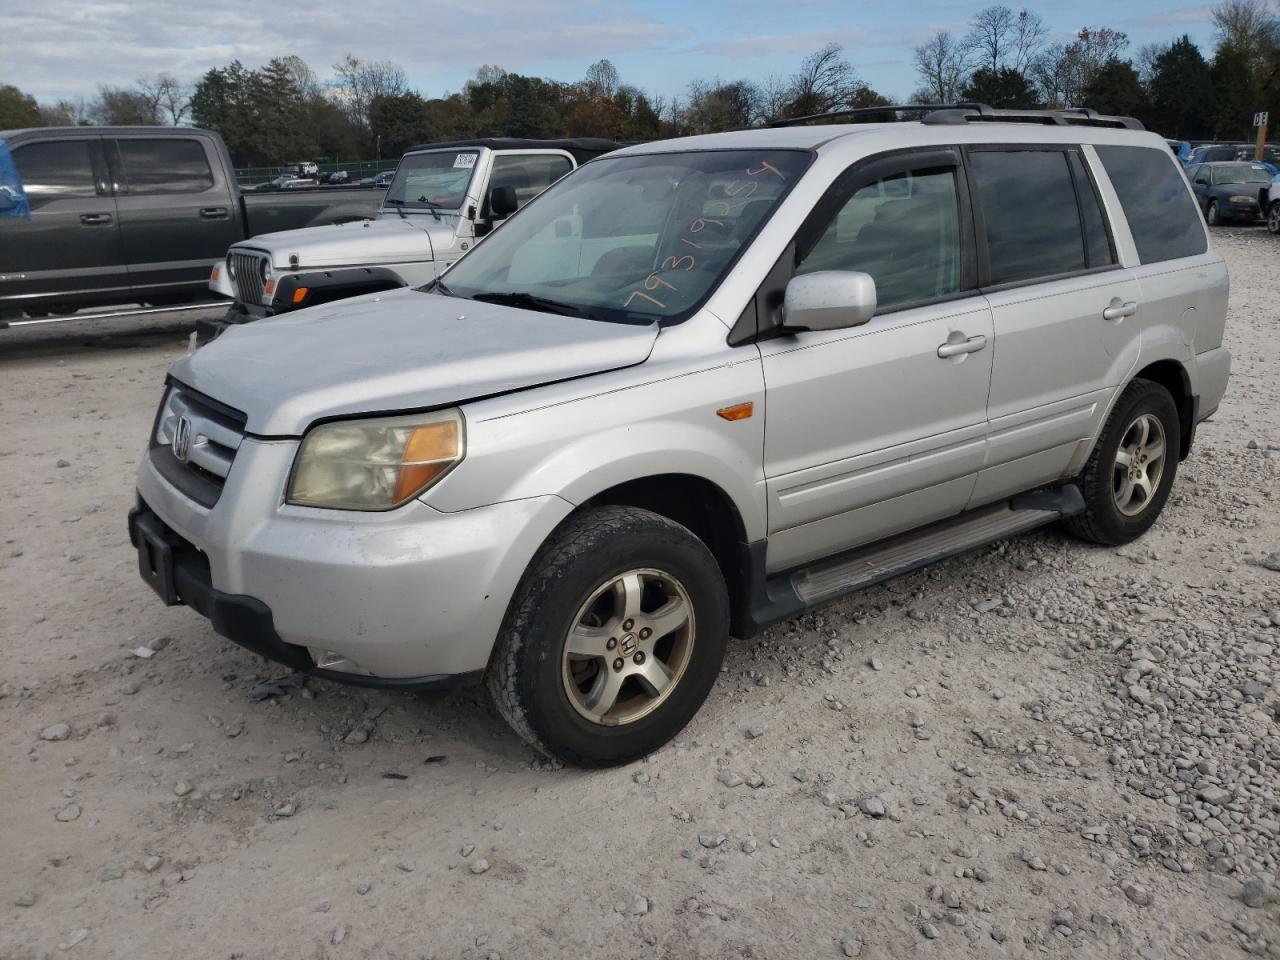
55	170
529	174
165	166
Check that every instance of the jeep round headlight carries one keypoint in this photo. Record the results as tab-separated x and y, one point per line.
375	464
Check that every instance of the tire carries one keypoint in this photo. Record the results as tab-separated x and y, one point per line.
1118	510
1273	217
592	573
1211	214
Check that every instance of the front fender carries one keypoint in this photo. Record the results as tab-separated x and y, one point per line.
296	291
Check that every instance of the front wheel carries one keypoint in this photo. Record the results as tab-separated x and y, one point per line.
1211	215
1273	217
614	638
1130	472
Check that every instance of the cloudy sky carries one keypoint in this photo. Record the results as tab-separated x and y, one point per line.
65	48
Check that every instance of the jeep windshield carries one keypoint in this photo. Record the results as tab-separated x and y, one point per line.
630	239
426	179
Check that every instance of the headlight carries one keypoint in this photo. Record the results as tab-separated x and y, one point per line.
1241	199
375	464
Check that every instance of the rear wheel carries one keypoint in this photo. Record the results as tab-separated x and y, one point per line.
614	638
1273	217
1130	472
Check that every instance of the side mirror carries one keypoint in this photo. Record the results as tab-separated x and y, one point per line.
502	202
1202	181
828	300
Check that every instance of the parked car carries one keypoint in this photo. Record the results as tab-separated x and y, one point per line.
307	168
338	176
695	387
136	214
380	180
442	199
1272	205
1229	190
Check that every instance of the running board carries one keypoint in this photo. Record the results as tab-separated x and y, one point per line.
788	593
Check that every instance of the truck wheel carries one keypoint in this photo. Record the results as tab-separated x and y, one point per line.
613	639
1127	479
1273	218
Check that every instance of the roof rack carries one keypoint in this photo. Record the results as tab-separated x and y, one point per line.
957	113
872	111
1069	117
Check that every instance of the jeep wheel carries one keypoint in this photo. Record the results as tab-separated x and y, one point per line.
614	638
1127	479
1273	218
1211	215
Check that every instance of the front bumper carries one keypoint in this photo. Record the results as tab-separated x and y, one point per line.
405	596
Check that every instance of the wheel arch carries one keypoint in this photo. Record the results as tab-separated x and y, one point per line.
1172	375
706	510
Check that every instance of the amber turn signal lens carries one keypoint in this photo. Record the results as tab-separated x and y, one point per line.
431	450
269	287
739	411
300	294
215	273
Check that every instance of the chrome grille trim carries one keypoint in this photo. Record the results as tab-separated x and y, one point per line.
216	435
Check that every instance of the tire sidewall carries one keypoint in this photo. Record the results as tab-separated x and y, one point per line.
1150	398
549	611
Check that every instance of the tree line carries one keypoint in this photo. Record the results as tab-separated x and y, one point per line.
283	111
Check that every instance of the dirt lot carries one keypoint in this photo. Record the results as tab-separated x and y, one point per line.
1038	749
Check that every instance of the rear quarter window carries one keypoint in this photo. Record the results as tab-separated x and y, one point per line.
1163	218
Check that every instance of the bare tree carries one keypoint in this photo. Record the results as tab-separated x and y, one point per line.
1144	61
942	63
825	81
1064	70
1001	37
602	80
1250	27
360	81
170	99
120	106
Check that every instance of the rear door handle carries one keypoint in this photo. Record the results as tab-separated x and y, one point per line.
972	345
213	213
95	219
1118	311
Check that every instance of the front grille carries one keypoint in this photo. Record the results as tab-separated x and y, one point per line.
246	275
214	433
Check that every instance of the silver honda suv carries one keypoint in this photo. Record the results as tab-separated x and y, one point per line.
696	387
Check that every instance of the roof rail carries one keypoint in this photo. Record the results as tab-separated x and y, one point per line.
872	111
1069	117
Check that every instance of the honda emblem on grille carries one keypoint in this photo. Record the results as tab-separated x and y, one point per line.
182	439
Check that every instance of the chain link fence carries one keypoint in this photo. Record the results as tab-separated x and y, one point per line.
357	170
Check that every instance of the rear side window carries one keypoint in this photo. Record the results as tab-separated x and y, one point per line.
904	231
55	170
1028	204
1097	241
529	174
1162	216
165	166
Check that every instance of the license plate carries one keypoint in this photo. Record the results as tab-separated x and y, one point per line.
155	555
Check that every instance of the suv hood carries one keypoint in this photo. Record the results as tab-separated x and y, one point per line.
397	351
385	241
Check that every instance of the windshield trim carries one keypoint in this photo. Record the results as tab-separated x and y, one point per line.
620	315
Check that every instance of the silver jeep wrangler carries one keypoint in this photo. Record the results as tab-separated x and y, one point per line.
694	388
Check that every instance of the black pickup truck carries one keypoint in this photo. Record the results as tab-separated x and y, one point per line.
137	215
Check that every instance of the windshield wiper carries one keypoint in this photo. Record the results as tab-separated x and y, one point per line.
517	298
430	206
398	204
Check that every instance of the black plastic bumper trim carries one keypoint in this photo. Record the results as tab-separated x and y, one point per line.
248	621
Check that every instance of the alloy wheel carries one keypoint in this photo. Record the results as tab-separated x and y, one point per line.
628	647
1273	218
1139	464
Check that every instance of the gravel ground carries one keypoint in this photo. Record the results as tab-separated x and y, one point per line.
1038	749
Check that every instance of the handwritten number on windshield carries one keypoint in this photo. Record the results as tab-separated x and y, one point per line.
737	190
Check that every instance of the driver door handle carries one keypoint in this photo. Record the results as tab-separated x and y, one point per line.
972	345
1118	310
94	219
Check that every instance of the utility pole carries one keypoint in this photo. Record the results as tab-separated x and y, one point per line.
1260	121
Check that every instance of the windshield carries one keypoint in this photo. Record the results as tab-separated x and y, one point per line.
424	179
631	239
1240	173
